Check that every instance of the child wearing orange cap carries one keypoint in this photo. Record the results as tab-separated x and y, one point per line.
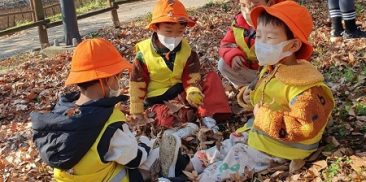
166	72
85	137
292	104
238	62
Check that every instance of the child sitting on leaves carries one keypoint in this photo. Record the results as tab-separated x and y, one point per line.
86	138
291	102
238	62
166	72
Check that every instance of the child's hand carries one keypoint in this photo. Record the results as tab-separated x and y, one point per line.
246	95
256	108
195	99
194	96
238	62
138	120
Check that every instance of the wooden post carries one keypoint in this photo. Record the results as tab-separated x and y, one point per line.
114	13
8	17
33	12
71	29
42	30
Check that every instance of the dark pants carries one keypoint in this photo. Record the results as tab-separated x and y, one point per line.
170	94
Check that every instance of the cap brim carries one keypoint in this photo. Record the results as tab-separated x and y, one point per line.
152	24
306	49
104	72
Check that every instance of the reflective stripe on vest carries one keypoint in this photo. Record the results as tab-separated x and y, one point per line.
277	96
91	167
240	40
161	77
290	144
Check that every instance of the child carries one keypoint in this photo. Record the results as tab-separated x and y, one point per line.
238	62
166	72
292	104
84	137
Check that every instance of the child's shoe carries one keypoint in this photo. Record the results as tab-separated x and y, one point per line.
210	123
186	131
163	180
169	150
335	35
358	33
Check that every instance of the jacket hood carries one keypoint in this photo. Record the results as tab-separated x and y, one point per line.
64	135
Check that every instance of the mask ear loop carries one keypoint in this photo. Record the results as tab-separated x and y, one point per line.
118	82
101	84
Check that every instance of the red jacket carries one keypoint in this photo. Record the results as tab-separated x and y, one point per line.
228	47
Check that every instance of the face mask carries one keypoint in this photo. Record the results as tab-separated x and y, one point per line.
268	54
114	93
170	42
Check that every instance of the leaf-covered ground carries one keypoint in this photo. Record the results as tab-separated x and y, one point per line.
29	82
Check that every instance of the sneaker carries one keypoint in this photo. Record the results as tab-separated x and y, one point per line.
163	180
358	33
184	132
168	153
335	35
210	123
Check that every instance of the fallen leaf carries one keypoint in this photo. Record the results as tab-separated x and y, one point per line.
333	140
358	163
319	165
296	165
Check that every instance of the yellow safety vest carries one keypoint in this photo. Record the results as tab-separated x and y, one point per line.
161	77
240	41
277	96
91	167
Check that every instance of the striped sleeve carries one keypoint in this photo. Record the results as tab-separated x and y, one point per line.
191	73
138	85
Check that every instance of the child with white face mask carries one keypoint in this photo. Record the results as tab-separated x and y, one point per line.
166	69
238	62
291	102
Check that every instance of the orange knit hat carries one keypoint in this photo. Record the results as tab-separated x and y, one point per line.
296	17
94	59
169	11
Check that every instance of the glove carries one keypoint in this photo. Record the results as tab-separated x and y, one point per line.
243	92
194	96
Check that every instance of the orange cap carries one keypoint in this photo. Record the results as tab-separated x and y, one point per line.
94	59
296	17
169	11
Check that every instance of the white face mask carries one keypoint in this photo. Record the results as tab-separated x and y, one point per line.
114	93
170	42
269	54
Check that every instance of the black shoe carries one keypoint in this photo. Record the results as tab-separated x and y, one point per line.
358	33
335	35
